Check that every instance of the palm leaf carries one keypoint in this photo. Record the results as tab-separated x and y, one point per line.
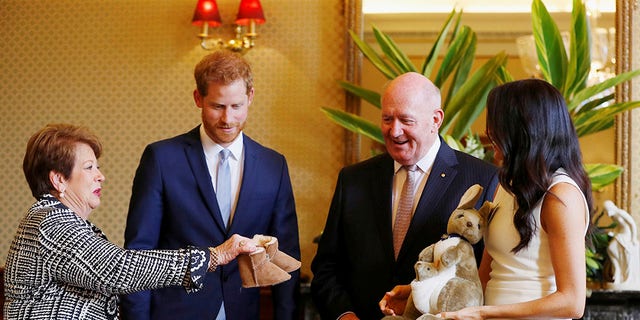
592	263
432	57
471	111
586	93
472	93
597	120
462	71
354	123
455	54
580	56
393	53
602	175
552	56
372	56
456	28
370	96
503	76
594	104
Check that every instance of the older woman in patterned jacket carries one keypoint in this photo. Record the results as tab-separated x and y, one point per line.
60	265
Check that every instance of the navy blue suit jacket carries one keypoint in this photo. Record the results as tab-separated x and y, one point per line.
173	205
355	264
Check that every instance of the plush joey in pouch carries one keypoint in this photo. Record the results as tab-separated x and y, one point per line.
446	272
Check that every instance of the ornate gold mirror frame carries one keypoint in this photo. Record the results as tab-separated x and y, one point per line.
355	22
628	124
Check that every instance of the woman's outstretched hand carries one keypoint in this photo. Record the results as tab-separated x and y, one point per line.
234	246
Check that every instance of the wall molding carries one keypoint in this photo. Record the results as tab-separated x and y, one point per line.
416	32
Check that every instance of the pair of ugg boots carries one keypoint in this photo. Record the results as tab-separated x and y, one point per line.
267	265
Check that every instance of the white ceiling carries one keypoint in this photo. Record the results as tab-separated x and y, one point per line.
433	6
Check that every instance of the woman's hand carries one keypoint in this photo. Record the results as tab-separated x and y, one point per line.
234	246
394	301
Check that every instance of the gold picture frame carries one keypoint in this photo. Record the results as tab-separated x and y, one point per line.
627	28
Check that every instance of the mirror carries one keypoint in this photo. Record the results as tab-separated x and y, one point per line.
621	138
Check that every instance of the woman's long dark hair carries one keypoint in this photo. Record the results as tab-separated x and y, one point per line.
529	123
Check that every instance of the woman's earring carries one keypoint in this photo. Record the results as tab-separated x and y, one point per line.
62	194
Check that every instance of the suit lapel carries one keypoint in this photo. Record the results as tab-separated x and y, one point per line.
195	157
381	184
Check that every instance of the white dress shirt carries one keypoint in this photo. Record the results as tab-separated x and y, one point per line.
211	152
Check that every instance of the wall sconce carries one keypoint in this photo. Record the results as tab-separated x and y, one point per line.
249	14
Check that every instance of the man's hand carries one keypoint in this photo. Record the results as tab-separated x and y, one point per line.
349	316
394	301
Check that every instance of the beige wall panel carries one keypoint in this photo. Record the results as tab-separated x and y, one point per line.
125	69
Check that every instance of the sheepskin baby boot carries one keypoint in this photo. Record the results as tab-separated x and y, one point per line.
279	258
257	271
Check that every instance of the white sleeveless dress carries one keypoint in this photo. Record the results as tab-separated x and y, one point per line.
527	275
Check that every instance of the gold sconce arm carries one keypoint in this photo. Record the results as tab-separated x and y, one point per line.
242	42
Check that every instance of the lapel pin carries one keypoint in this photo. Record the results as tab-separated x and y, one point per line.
443	175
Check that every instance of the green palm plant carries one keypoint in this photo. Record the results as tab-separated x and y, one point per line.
465	95
569	74
590	111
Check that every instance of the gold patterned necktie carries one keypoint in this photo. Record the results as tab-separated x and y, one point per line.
405	207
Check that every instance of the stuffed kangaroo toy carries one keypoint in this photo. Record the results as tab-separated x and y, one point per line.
446	272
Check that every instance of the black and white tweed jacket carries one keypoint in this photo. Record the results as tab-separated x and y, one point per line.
61	266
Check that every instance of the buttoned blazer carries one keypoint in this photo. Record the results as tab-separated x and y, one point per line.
354	265
173	205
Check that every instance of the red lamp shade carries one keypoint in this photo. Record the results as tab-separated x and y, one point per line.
250	10
207	11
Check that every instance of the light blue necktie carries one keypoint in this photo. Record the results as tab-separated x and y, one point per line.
223	186
221	314
223	193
